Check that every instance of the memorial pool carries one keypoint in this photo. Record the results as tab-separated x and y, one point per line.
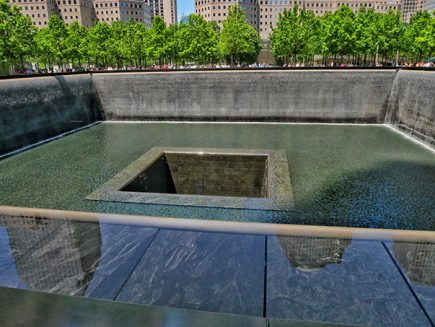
341	175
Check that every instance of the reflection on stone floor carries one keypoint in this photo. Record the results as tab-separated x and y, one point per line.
308	253
328	280
417	263
58	259
417	260
21	234
338	281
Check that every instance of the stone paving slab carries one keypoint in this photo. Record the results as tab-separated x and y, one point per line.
202	271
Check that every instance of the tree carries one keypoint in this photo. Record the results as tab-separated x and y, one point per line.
136	42
296	34
76	48
419	36
56	39
361	37
172	46
98	41
239	41
364	42
44	52
117	44
199	41
338	29
17	35
157	40
392	30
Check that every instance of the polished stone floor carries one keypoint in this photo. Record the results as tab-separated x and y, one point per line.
270	279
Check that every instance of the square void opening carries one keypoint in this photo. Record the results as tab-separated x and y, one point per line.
205	177
204	174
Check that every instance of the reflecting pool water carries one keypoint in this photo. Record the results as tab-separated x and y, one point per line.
341	175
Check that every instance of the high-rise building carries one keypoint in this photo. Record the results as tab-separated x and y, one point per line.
167	9
270	9
112	10
410	7
216	10
269	13
263	14
85	12
39	11
147	15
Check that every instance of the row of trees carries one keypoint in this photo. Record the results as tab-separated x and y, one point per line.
129	43
363	37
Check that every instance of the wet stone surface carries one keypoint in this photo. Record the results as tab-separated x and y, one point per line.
319	280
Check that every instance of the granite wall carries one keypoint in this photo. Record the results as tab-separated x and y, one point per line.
324	96
224	175
34	109
411	107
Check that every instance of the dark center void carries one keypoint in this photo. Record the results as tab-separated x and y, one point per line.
228	175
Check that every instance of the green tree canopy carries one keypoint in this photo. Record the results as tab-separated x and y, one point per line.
419	36
296	34
200	41
56	39
361	37
99	43
239	41
16	35
157	42
75	41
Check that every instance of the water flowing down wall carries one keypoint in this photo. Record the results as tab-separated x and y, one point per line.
34	109
305	96
411	106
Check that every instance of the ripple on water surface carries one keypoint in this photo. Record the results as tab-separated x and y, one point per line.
362	176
